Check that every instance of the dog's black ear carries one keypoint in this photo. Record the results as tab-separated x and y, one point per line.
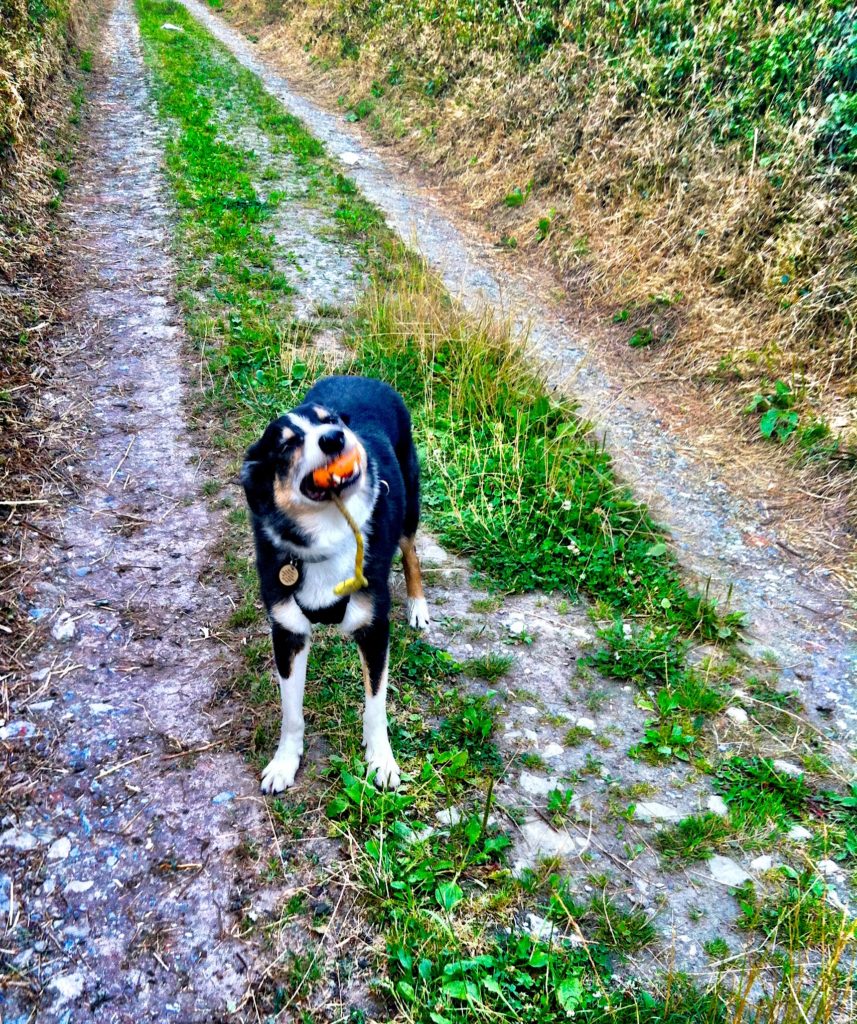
257	473
346	419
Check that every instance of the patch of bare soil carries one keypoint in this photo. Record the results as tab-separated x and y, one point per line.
126	809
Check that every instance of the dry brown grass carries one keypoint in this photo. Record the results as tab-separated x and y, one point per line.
38	74
642	204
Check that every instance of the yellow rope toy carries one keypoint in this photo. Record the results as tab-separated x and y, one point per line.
358	580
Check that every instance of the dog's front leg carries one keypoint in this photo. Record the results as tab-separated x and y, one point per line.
373	642
291	651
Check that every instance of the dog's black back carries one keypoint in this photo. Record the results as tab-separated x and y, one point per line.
379	417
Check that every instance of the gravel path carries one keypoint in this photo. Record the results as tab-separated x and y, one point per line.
117	879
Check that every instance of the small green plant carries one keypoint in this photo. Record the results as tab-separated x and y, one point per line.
664	740
490	667
717	948
515	198
360	111
694	838
778	419
559	805
543	228
642	338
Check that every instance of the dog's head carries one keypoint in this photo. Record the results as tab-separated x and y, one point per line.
278	469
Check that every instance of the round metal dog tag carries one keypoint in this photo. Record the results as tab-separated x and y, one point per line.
289	575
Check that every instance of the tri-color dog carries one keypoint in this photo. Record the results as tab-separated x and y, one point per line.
305	547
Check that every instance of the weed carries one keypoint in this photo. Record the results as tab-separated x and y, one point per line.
798	915
779	419
490	667
717	948
695	838
641	338
560	805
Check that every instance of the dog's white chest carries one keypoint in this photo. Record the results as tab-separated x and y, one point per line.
319	578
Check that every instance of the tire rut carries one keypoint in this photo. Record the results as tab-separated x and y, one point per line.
123	883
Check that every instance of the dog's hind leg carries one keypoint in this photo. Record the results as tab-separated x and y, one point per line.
418	615
373	643
291	651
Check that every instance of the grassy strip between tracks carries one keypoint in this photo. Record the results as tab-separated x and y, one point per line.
514	481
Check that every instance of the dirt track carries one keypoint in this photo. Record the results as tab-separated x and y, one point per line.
119	874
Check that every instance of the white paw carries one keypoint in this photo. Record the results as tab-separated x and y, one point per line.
380	760
279	773
418	613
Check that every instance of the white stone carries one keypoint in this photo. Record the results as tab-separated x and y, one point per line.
60	848
531	735
515	626
738	715
449	816
43	705
798	833
585	723
536	785
787	768
18	730
829	867
528	709
763	863
63	628
349	159
18	839
99	709
168	26
725	870
540	927
717	805
543	841
77	886
553	750
835	900
651	810
67	987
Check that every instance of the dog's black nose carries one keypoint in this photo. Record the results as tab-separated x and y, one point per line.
332	442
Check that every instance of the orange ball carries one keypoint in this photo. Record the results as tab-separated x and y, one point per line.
342	467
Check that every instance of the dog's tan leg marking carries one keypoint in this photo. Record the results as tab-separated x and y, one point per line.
418	615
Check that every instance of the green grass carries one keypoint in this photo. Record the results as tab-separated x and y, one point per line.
490	667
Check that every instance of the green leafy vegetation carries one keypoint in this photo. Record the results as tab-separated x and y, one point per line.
779	419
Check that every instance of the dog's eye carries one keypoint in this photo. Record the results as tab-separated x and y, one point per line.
290	443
